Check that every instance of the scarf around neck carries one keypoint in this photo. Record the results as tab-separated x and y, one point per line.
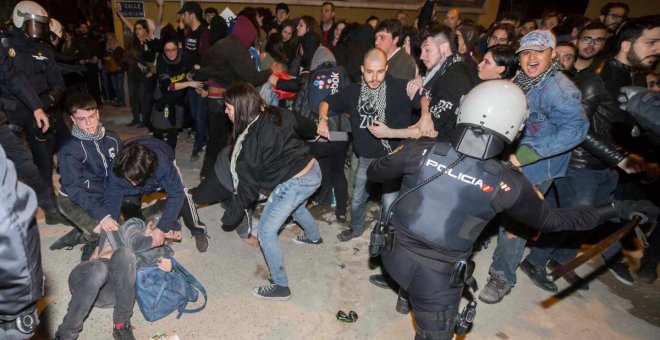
526	83
373	102
80	134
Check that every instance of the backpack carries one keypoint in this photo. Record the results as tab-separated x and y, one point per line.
159	293
328	78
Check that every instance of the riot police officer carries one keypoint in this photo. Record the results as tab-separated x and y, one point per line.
448	194
17	152
28	45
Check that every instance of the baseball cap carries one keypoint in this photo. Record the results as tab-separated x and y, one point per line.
283	6
538	40
191	7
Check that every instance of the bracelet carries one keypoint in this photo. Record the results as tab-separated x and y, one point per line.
323	118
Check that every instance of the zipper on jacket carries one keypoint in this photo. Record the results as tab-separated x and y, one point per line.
105	163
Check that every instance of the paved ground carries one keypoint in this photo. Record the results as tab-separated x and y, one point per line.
333	276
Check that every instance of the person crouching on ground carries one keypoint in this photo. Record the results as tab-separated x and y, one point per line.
269	155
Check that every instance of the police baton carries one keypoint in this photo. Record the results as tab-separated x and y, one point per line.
595	250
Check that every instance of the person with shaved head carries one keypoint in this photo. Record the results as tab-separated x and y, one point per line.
380	114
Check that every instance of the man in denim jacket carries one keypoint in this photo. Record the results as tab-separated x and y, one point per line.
556	124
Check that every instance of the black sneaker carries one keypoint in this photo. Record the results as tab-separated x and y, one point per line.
341	218
621	273
303	239
123	333
272	292
538	276
379	281
201	242
87	251
347	235
68	241
495	290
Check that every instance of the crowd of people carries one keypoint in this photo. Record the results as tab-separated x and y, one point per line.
300	111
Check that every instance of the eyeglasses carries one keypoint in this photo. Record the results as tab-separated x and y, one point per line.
590	40
501	41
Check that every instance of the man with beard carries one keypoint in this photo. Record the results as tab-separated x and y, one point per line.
437	99
612	15
380	115
556	124
591	176
637	49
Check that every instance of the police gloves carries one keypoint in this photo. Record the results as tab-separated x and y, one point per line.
644	209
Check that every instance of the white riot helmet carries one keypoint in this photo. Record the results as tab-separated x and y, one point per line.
32	19
56	28
490	116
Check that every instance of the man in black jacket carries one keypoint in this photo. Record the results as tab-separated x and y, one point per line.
445	66
591	176
637	49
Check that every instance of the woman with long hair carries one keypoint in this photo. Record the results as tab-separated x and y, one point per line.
141	57
268	155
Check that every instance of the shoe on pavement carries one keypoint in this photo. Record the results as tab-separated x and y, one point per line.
495	290
571	277
123	333
273	292
303	239
68	241
379	281
201	242
621	273
538	276
347	235
341	218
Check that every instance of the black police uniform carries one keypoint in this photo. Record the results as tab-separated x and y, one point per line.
437	224
13	81
37	62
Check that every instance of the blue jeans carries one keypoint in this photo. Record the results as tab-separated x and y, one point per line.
288	199
361	195
509	250
198	113
580	187
100	283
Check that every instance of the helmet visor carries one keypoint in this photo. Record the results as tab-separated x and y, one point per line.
37	29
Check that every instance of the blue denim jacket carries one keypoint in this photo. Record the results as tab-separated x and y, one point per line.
556	124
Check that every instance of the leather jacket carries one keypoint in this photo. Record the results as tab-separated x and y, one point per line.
599	151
